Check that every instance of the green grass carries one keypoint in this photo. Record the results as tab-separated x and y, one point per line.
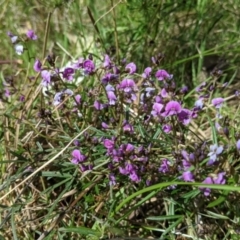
54	199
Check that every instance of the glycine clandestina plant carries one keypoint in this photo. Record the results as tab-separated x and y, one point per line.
143	117
143	124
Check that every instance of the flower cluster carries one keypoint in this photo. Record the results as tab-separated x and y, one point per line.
143	117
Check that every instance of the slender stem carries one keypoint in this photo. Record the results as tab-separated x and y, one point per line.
115	30
46	34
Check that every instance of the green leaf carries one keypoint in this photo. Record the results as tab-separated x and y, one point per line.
216	202
81	230
163	218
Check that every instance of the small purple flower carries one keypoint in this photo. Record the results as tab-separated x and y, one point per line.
57	98
76	143
109	144
185	116
184	89
109	88
77	157
238	144
127	127
162	75
214	152
31	35
13	37
167	128
129	148
164	93
164	168
157	109
172	108
134	177
85	168
107	62
216	179
78	99
22	98
217	102
207	191
131	68
112	179
19	49
7	93
188	176
46	78
37	66
88	66
105	125
219	179
78	64
109	77
68	73
127	85
199	103
98	105
147	72
111	97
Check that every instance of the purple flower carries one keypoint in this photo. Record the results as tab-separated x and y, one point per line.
7	93
107	62
147	72
167	128
217	102
88	66
123	171
164	168
31	35
85	168
37	66
77	157
157	109
207	191
127	148
22	98
184	89
78	64
98	105
112	179
59	96
68	73
214	152
109	77
46	78
109	144
185	116
187	176
238	144
111	97
131	68
164	93
215	179
13	37
199	103
162	75
134	177
127	127
219	179
76	143
78	99
172	108
127	85
18	49
105	125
